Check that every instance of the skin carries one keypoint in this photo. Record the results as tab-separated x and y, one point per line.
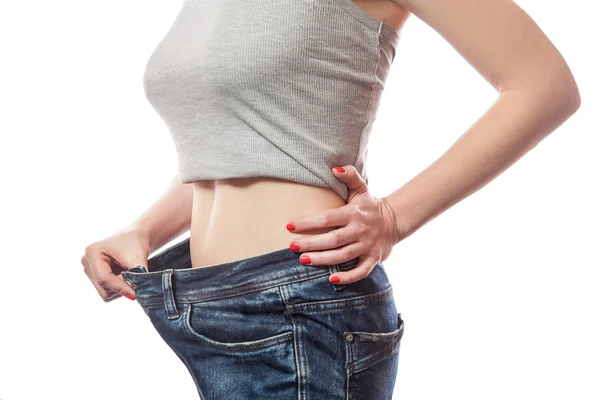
536	94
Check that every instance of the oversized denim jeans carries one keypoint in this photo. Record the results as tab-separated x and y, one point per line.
270	327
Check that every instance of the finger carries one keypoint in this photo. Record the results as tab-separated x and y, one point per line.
90	275
328	240
328	218
100	267
361	271
107	295
333	256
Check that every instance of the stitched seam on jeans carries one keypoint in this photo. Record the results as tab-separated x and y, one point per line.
342	303
349	358
305	362
292	308
302	372
258	287
341	307
381	355
233	347
254	287
296	351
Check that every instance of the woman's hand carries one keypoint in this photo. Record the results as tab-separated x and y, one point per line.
104	261
367	230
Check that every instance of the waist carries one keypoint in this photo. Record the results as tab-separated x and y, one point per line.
233	219
170	279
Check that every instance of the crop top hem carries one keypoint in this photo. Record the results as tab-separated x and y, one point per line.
300	175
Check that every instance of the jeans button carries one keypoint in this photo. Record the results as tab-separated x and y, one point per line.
349	337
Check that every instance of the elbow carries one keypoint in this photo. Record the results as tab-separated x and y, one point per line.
564	93
574	100
553	88
570	100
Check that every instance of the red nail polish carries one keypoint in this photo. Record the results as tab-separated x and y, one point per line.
305	260
130	296
291	226
334	279
295	246
340	169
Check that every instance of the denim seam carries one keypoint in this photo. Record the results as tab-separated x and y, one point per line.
305	359
168	295
232	347
317	306
341	307
303	389
298	359
351	302
376	358
349	360
254	287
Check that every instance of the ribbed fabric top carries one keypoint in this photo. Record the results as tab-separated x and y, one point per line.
273	88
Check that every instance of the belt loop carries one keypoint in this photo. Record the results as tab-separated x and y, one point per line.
167	286
333	269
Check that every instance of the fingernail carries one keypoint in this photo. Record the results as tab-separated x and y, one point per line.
340	169
305	260
334	279
291	226
130	296
295	246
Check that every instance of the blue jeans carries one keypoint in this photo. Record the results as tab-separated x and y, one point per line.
270	327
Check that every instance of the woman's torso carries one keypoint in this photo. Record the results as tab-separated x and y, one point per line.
234	219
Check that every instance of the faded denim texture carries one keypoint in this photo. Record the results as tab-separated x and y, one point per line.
269	327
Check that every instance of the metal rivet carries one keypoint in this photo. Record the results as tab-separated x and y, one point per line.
130	283
349	337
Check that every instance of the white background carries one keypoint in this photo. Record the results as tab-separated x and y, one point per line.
499	294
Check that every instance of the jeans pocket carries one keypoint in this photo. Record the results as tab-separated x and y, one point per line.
372	362
198	321
235	348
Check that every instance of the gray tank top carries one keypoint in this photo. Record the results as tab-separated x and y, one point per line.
271	88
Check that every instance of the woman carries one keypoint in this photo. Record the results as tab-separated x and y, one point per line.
270	105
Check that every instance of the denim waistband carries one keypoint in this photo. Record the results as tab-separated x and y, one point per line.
170	273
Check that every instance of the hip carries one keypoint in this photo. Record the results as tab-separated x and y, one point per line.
273	327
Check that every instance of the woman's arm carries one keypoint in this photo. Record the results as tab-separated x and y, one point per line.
168	217
537	93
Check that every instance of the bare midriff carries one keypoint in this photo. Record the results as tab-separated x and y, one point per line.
233	219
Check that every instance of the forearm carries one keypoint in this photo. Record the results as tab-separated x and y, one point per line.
514	124
168	217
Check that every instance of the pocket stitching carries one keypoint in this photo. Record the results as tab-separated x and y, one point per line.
233	347
377	357
328	305
373	359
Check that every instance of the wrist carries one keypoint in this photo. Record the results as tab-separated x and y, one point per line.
145	233
396	232
401	220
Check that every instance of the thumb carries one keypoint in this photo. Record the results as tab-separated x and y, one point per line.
101	265
350	176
